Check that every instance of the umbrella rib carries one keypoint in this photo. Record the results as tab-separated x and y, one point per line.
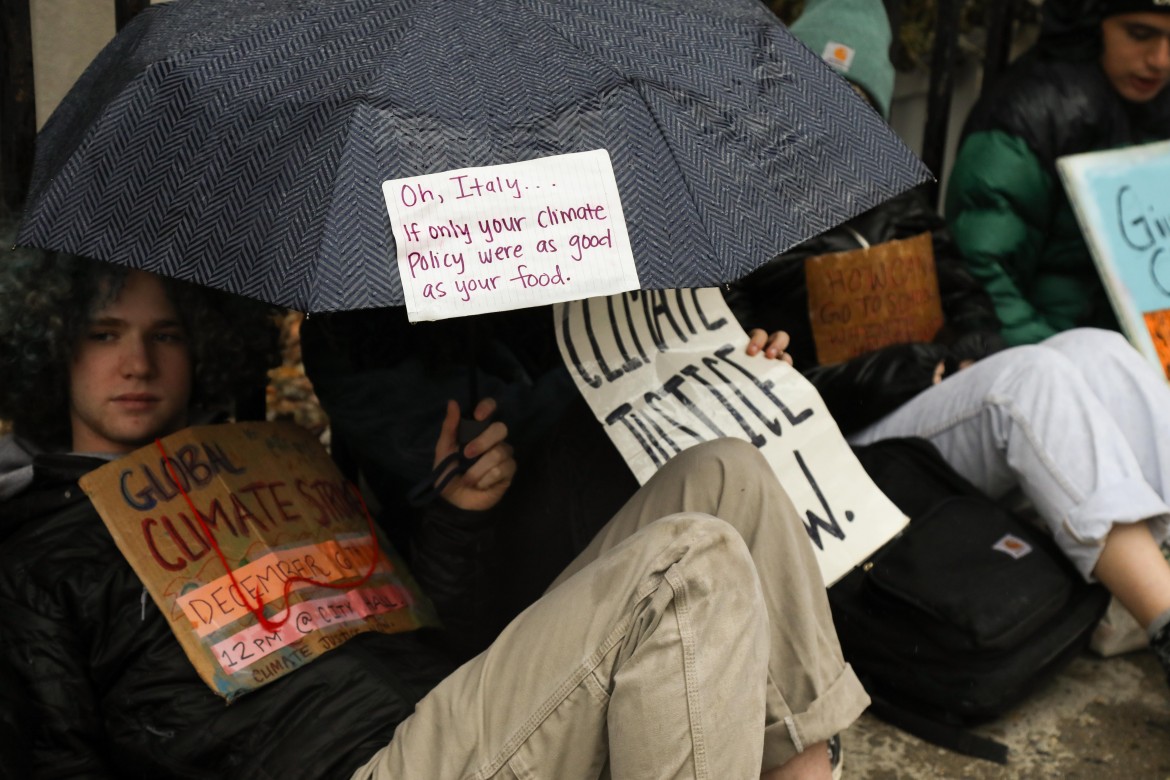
639	88
306	282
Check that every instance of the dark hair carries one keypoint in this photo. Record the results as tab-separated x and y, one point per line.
46	301
1071	29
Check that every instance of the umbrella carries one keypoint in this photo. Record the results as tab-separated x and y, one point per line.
243	145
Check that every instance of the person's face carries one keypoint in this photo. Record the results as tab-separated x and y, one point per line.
1136	54
130	379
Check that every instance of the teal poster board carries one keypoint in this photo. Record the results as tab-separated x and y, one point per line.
1122	202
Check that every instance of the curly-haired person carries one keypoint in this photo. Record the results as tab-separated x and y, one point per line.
671	647
46	304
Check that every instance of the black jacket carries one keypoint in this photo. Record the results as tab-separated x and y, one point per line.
109	692
862	390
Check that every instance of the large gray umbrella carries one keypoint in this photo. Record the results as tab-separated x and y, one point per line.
243	145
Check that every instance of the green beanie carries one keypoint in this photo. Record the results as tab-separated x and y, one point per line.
853	36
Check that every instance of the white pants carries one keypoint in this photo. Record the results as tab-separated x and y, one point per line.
1080	423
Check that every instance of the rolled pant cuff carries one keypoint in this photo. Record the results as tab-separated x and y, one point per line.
831	713
1082	535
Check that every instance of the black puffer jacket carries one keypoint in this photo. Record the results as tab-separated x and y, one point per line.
862	390
108	691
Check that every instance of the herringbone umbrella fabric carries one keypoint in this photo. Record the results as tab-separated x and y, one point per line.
243	145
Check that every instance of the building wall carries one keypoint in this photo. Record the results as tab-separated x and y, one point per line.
908	110
66	35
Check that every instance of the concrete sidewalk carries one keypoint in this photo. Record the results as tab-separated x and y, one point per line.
1100	719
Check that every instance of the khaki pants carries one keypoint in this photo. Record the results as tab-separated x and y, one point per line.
659	653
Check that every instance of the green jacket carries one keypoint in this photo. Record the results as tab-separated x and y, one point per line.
1017	231
1005	204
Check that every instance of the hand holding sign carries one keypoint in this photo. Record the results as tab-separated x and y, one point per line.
772	346
664	371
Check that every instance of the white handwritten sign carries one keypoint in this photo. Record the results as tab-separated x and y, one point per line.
666	370
500	237
1122	205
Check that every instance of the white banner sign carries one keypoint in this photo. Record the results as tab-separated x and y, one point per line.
666	370
502	237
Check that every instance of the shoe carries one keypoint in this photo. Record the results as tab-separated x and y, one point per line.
835	761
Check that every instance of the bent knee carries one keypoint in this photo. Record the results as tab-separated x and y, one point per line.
711	536
1087	343
1034	364
727	454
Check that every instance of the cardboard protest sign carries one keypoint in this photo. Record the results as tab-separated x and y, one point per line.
286	523
503	237
1123	207
870	298
666	370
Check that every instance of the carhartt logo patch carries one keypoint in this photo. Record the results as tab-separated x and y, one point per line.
1013	546
840	56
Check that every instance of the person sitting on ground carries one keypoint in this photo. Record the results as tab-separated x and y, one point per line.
1095	80
1080	423
692	638
383	382
854	37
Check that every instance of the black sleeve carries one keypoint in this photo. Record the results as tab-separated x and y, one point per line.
60	717
450	559
15	736
868	387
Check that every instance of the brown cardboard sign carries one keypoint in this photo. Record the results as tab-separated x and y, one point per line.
255	548
865	299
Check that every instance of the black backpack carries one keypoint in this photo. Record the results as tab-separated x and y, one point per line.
956	619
